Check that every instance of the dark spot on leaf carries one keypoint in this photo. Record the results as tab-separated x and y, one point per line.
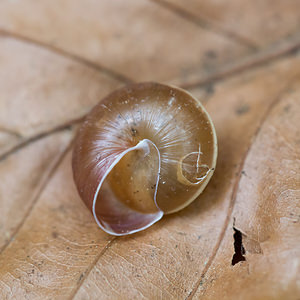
211	54
153	186
54	234
181	233
188	256
287	108
80	277
209	89
242	109
239	249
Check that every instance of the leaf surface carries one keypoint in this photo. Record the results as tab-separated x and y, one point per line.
240	238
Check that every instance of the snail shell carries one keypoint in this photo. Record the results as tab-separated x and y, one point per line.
145	150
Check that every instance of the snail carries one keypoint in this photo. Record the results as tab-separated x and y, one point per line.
145	150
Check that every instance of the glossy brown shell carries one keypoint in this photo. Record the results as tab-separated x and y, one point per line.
145	150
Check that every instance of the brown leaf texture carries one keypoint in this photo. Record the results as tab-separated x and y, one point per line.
259	22
266	210
240	238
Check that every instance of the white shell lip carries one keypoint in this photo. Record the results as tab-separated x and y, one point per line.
156	217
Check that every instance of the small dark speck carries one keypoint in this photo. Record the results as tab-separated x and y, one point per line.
209	89
181	233
40	263
244	173
210	54
32	271
190	293
54	234
242	109
136	192
133	131
188	256
153	186
199	237
81	277
287	108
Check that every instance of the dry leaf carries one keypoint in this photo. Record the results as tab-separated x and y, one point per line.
254	23
141	41
240	238
266	209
